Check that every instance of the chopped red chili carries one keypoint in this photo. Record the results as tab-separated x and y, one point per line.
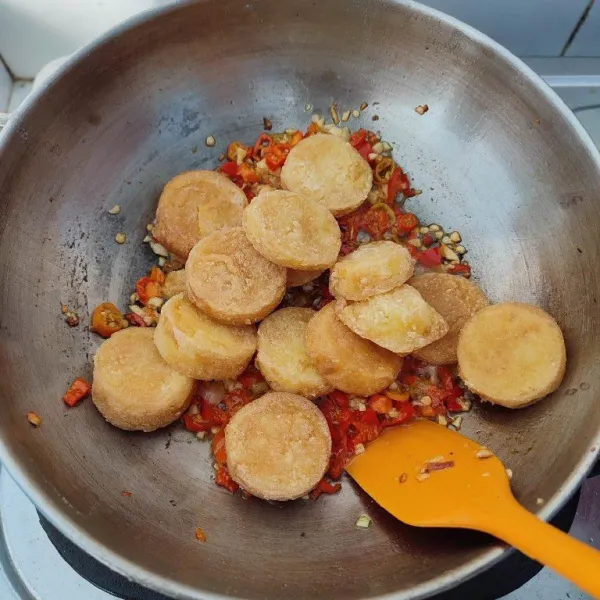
461	269
276	155
234	400
407	222
157	275
77	391
274	161
366	428
361	141
135	320
147	288
414	252
248	174
325	487
381	404
427	239
340	398
250	377
398	183
358	138
405	413
452	390
195	423
106	319
372	221
218	447
215	415
430	258
223	478
364	150
296	137
229	168
264	141
338	461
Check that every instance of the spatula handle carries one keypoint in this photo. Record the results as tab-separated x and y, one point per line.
548	545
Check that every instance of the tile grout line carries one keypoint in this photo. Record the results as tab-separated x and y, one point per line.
5	65
577	27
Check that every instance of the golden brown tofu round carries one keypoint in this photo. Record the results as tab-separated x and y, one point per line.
278	446
456	299
200	347
297	278
371	269
134	388
282	355
347	361
292	231
193	205
230	281
399	320
174	283
511	354
327	169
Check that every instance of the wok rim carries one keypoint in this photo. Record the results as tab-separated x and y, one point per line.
52	510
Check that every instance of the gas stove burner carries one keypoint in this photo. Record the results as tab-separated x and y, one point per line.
37	561
502	579
95	572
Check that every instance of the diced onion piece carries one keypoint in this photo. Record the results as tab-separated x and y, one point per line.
213	392
364	521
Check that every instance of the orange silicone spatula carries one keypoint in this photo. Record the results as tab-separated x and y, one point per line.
408	469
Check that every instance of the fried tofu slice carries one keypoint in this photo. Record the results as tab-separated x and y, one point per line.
456	299
512	354
278	446
296	278
230	281
282	355
399	320
292	231
193	205
133	387
372	269
347	361
174	283
200	347
327	169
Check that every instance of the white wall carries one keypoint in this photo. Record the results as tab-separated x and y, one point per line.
33	32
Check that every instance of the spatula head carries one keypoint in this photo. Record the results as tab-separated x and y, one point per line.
428	476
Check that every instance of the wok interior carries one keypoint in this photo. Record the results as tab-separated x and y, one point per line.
495	159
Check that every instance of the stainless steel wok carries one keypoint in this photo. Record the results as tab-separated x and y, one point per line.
498	157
